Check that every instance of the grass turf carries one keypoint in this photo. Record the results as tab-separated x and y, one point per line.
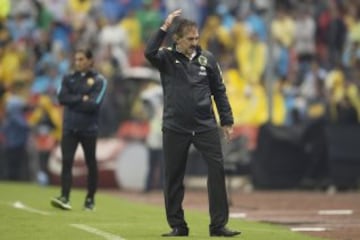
26	213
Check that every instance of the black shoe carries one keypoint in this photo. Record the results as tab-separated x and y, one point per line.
223	232
177	232
61	202
89	204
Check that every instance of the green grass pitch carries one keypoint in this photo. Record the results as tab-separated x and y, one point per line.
26	213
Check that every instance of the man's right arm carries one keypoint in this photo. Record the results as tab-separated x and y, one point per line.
65	96
152	52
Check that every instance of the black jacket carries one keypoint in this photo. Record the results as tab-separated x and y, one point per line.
188	86
82	115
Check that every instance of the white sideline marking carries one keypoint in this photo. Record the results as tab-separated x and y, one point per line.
106	235
308	229
20	205
237	215
336	212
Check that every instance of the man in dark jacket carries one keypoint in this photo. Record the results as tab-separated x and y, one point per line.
81	93
190	78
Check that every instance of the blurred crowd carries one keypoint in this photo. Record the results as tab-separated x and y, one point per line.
315	59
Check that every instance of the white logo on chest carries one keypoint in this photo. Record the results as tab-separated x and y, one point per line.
202	71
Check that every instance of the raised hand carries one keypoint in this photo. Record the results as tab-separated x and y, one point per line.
170	18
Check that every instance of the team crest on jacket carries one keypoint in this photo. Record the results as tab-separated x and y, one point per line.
203	60
90	81
202	71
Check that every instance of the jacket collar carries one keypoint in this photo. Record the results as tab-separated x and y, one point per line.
90	72
198	51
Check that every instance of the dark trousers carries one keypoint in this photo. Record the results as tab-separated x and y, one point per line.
176	146
69	143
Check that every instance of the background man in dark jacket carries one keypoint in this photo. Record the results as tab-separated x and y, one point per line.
190	78
81	93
